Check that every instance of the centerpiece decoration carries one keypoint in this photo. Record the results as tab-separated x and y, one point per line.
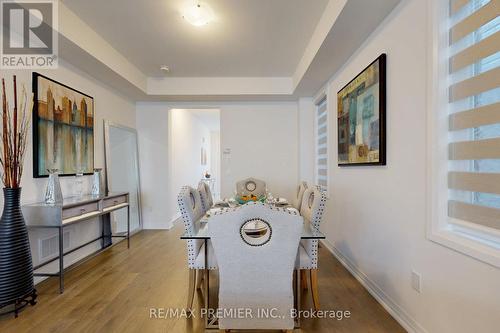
16	267
245	198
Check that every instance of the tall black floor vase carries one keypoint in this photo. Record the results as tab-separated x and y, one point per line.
16	267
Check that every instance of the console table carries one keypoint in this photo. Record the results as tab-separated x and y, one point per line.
77	210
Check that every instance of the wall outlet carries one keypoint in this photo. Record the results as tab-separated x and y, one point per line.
416	281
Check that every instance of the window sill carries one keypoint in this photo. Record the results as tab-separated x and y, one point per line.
465	244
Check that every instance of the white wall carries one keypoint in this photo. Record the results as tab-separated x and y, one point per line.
376	216
263	141
306	139
152	125
108	105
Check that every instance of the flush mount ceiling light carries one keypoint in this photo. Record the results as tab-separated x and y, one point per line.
198	14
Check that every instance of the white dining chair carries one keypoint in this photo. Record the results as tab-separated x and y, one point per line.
251	186
297	199
256	273
206	195
191	210
312	209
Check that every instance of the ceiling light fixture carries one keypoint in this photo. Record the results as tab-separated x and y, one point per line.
198	14
165	68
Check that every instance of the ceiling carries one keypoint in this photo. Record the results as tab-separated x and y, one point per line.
255	50
249	38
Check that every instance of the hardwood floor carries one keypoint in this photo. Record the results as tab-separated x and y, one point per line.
114	291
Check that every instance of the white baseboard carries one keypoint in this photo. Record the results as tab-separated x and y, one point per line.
176	219
169	225
397	312
158	226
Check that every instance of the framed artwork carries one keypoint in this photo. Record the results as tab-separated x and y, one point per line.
63	129
361	111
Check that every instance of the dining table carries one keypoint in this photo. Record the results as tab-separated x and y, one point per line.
200	231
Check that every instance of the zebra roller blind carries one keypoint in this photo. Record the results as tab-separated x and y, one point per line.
474	120
322	145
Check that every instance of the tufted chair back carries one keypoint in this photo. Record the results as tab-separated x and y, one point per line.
297	199
312	209
251	186
190	206
206	195
242	263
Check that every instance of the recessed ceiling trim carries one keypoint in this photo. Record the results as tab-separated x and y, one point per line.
86	49
78	32
325	24
220	86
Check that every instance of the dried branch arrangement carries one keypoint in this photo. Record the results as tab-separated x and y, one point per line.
14	131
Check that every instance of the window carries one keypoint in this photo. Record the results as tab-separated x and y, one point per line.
471	209
322	145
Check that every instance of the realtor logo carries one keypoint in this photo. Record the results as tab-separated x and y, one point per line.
29	34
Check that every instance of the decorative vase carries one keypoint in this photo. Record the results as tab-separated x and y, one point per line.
53	193
97	188
79	183
16	267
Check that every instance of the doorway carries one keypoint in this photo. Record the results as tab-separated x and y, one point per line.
195	149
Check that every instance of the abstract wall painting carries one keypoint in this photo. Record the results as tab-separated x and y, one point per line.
361	106
63	129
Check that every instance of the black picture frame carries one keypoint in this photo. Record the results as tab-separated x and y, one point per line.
382	62
35	118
